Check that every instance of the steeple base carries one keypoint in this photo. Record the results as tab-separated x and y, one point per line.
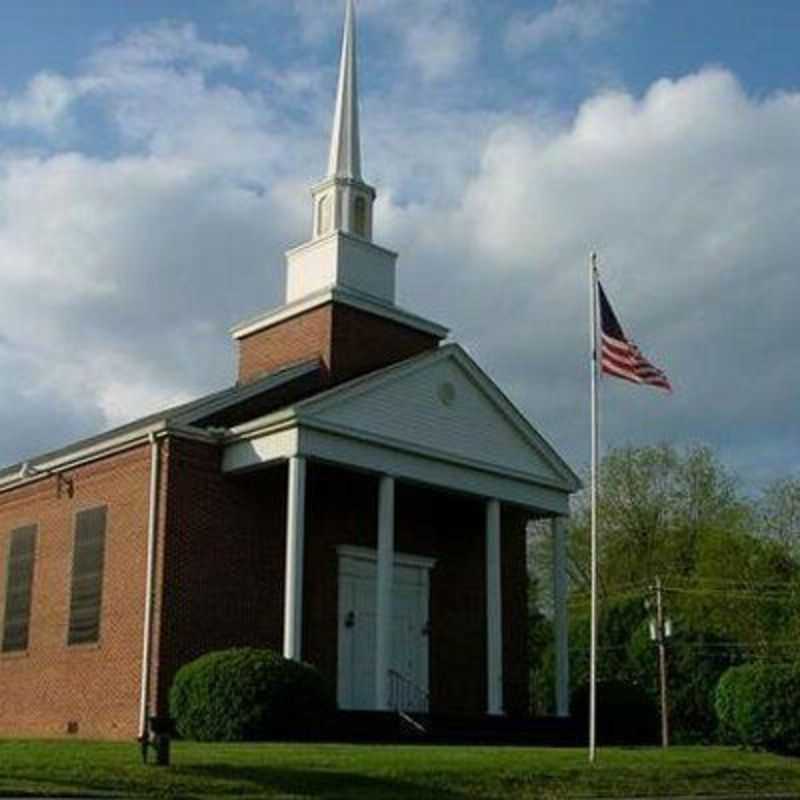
349	334
341	261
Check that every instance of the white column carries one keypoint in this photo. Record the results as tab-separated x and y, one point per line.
383	637
560	620
295	538
494	610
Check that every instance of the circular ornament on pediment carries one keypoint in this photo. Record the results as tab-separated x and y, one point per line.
447	393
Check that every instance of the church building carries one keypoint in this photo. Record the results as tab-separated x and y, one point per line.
358	499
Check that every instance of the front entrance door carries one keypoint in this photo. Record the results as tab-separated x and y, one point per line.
357	624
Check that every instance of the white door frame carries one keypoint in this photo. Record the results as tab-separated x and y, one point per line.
353	561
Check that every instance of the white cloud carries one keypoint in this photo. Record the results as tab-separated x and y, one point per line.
43	106
568	20
166	61
168	45
439	48
120	276
437	37
689	195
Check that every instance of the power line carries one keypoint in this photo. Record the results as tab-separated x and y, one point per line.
736	582
769	594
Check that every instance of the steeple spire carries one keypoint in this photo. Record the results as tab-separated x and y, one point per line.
341	254
343	202
345	155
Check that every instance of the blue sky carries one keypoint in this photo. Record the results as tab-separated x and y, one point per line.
646	40
155	159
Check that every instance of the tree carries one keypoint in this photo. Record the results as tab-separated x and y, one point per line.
656	506
730	567
779	513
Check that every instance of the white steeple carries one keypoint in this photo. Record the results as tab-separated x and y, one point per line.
343	201
345	157
341	253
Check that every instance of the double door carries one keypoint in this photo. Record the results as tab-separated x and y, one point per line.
357	627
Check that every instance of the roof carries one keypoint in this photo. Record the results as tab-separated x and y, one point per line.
224	408
394	407
299	394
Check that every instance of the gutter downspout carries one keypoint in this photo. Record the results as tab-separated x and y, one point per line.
152	526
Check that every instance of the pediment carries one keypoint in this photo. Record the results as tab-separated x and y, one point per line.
441	404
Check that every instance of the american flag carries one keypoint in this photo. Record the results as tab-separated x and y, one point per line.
620	357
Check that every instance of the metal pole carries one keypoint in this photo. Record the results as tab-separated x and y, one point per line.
595	449
661	640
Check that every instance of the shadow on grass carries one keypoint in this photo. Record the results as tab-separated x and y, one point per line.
64	789
318	783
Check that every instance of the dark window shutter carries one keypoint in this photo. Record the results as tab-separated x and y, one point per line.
19	586
88	559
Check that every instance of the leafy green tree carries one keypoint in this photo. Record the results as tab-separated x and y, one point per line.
656	506
744	588
779	513
730	566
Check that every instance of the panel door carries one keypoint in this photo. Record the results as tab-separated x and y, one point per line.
357	630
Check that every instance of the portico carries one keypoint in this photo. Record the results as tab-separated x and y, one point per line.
422	447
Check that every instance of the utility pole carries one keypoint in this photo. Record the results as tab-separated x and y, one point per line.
660	632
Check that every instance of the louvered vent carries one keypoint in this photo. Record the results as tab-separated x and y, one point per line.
19	585
87	576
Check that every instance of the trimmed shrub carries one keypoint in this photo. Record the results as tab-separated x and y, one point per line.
757	705
626	714
249	695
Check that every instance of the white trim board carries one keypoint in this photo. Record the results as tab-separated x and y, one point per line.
338	294
372	457
400	559
394	422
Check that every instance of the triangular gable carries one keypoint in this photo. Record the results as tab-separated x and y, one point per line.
441	403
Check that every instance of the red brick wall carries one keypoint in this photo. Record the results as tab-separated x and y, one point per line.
221	579
363	342
298	339
95	685
223	560
349	342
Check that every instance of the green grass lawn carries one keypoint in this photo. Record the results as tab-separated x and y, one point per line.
339	771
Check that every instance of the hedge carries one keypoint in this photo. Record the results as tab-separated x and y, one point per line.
758	706
249	695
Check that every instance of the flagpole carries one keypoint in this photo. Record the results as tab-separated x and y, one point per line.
595	449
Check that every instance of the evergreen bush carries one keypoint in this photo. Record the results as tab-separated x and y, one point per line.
757	705
249	695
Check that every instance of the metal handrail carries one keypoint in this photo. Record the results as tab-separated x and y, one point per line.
405	696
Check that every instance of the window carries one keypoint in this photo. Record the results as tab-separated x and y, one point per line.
88	557
19	584
360	216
